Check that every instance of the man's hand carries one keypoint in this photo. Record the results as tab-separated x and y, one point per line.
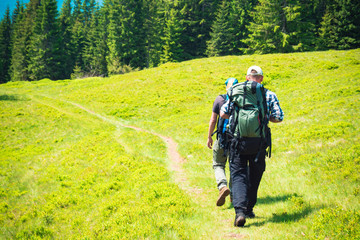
224	115
212	124
274	120
210	142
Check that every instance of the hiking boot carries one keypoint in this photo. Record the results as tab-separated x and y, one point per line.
224	192
250	214
240	220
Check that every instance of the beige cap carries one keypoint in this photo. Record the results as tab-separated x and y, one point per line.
256	69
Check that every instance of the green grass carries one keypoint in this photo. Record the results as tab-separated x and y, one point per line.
66	173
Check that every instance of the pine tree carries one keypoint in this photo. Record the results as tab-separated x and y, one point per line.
5	47
17	11
137	55
17	15
66	47
303	21
126	41
172	48
96	49
44	49
197	18
340	28
222	35
112	9
240	19
22	32
78	35
154	22
271	30
205	14
89	9
229	28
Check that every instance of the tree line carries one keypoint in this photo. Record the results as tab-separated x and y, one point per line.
84	39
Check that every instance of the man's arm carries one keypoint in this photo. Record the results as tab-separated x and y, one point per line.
276	113
212	125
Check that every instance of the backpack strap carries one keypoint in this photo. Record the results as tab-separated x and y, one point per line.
267	138
263	92
267	129
232	112
262	123
254	87
244	93
225	97
262	116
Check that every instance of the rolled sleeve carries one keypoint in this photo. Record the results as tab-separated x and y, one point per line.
273	105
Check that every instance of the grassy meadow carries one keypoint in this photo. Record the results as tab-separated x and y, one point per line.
68	173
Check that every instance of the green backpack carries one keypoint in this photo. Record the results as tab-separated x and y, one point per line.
248	116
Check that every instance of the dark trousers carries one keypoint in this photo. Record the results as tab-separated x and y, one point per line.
246	174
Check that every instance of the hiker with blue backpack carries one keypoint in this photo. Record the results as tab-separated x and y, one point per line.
219	154
249	109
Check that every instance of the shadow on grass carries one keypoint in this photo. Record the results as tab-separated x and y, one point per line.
273	199
292	215
285	217
6	97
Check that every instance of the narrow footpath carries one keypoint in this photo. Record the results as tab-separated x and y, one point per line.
176	161
175	165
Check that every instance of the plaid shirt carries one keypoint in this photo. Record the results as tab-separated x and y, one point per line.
273	106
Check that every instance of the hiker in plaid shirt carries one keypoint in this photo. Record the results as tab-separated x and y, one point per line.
275	114
246	169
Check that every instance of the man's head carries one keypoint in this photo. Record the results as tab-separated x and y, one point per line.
255	73
230	81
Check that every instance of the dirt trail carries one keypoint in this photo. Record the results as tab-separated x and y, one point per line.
176	161
175	164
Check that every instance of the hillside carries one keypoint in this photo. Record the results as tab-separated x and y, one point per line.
70	168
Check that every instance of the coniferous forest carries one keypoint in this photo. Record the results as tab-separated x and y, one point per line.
85	39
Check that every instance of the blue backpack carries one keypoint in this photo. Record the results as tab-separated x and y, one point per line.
221	128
